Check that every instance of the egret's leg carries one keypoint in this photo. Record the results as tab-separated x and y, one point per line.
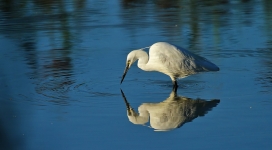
175	84
174	90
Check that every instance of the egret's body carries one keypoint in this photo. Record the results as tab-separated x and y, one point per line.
169	59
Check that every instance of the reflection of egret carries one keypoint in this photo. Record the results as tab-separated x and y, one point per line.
170	113
171	60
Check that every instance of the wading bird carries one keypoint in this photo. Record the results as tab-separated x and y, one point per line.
169	59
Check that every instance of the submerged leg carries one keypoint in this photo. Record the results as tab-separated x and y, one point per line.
175	84
174	81
174	89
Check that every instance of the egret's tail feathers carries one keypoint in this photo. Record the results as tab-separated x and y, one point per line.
212	67
207	66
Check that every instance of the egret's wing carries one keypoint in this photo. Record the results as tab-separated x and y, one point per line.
164	54
174	57
170	59
199	63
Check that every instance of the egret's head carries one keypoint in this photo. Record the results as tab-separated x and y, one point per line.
131	58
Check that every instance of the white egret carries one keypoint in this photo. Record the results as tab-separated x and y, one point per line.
169	59
171	113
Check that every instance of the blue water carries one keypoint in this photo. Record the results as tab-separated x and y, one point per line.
61	64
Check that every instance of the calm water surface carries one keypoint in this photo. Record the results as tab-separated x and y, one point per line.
61	64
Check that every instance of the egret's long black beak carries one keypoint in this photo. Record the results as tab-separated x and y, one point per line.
125	72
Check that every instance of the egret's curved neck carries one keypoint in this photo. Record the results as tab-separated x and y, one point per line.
143	59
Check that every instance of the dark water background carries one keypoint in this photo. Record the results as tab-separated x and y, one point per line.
61	64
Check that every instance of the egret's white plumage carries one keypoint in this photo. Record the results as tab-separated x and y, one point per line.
169	59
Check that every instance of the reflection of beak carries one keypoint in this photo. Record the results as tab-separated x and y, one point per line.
124	97
125	72
130	110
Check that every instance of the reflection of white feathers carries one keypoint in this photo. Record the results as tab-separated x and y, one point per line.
170	113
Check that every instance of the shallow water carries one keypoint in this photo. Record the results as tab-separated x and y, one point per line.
62	62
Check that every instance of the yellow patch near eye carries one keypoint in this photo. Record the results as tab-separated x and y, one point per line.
128	62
